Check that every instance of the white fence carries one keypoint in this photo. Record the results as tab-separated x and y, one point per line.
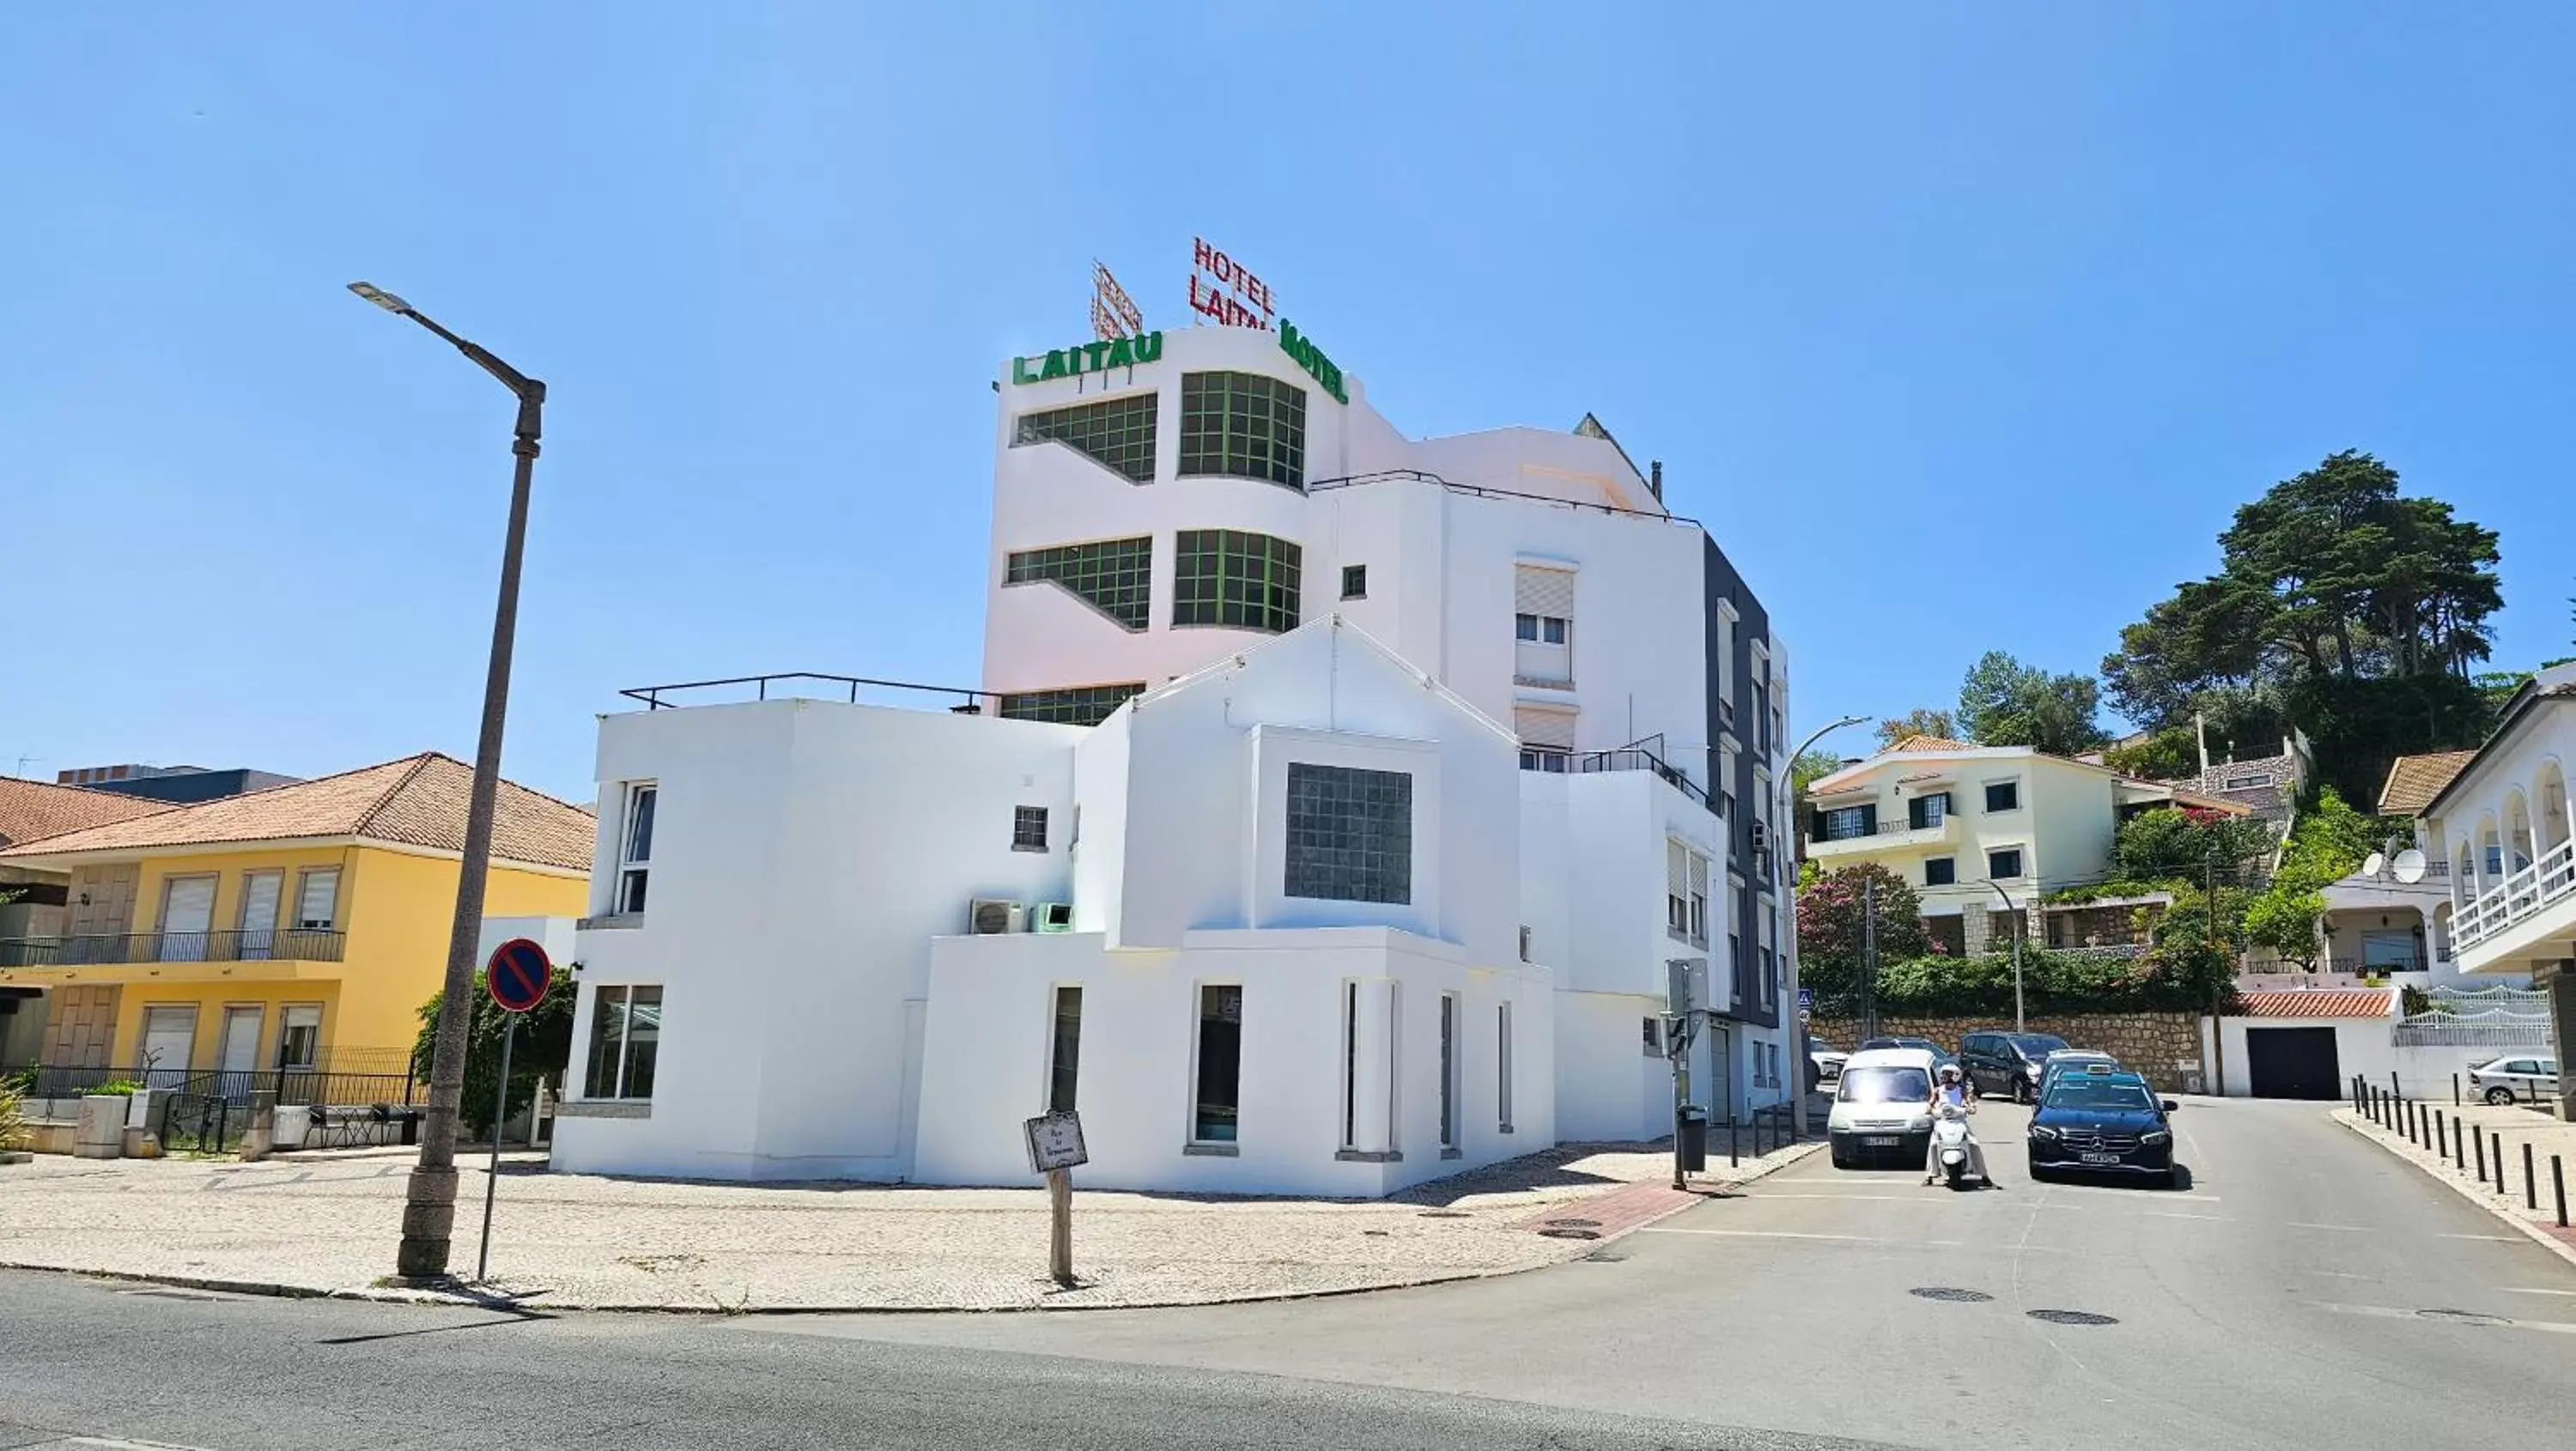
2493	1017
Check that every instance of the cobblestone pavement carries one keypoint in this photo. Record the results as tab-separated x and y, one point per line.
327	1222
2535	1204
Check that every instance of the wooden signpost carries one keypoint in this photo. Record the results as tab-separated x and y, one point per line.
1055	1146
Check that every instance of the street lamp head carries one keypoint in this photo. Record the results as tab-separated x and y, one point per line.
381	298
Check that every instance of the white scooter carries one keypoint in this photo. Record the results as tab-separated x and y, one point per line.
1950	1147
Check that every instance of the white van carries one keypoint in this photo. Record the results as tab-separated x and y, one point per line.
1883	1108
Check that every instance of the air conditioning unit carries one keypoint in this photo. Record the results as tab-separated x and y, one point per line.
988	915
1053	917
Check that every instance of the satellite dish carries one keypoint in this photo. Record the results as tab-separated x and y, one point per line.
2373	864
2410	866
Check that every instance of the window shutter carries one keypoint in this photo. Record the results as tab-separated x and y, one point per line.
1544	727
1698	874
1676	868
1869	819
1540	591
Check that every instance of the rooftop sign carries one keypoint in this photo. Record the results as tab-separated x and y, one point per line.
1082	358
1225	293
1311	358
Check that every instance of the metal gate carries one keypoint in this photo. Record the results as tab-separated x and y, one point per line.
201	1123
2293	1063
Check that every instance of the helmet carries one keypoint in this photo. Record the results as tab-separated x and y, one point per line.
1949	1070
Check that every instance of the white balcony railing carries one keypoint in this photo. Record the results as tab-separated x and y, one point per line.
2544	883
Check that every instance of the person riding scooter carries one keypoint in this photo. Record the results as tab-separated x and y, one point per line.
1954	1097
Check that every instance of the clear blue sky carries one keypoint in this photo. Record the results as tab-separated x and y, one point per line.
1963	326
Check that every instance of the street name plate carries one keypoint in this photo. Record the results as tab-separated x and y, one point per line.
1055	1142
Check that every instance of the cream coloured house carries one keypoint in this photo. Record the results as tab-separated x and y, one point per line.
1983	833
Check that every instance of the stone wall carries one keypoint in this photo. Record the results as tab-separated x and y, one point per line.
2155	1044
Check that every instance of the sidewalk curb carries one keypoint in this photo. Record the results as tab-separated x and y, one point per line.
1703	1190
2470	1192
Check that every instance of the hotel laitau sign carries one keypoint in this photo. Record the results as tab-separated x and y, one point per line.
1225	292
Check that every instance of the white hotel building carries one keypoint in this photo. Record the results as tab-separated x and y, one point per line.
1331	813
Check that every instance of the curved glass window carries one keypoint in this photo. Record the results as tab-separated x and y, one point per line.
1118	432
1114	576
1082	705
1243	425
1230	577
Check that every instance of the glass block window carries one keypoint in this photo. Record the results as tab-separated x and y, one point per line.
1243	425
1113	576
1229	577
1082	705
1028	828
1118	432
1350	834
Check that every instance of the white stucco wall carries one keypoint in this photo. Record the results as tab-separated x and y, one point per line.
2362	1045
987	1041
804	855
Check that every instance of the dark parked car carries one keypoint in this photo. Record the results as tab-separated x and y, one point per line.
2006	1065
2102	1123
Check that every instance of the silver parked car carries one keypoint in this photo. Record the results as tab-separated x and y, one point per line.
2522	1077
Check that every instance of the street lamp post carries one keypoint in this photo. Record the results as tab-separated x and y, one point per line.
429	1207
1798	1100
2019	928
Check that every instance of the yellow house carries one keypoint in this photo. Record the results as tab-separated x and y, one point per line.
297	927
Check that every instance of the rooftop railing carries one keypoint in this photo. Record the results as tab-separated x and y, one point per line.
804	685
2522	894
1481	491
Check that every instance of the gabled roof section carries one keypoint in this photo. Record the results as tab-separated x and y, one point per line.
417	801
1591	427
1342	631
2413	781
32	810
1928	743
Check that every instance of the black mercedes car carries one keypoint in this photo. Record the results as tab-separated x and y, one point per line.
2102	1123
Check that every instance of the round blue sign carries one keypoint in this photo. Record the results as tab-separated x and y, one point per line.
518	974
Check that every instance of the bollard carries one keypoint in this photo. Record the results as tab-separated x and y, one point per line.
2455	1090
2481	1139
2558	1188
2530	1185
2441	1136
1734	1141
2499	1163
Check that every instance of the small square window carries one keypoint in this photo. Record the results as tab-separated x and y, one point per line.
1028	828
1355	581
1940	871
1525	627
1552	630
2003	795
2004	865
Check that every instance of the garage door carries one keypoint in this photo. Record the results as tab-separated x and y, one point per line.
2293	1063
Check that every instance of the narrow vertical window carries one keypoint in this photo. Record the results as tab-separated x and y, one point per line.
1503	1065
1064	1054
1220	1065
625	1042
1350	1065
635	848
317	899
1449	1071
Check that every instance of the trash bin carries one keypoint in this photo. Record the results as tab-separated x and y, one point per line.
410	1129
1694	1138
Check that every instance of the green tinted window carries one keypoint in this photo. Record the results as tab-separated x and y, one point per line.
1243	425
1082	705
1118	433
1229	577
1114	575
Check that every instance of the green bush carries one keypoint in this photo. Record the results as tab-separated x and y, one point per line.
13	1117
126	1086
2182	978
544	1046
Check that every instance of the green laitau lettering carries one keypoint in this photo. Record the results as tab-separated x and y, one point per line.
1149	348
1054	365
1094	352
1020	371
1122	354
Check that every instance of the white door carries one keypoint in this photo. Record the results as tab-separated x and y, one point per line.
169	1043
261	894
187	913
241	1046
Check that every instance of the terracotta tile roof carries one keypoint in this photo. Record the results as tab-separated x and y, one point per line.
2317	1003
32	809
2413	781
416	801
1929	743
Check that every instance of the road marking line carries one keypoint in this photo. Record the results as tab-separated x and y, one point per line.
2340	1274
2171	1214
1878	1198
1791	1234
2391	1312
2519	1290
2337	1228
2497	1238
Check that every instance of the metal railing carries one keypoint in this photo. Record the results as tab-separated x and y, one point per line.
2544	883
1636	758
846	687
1480	491
2494	1028
99	949
299	1085
1890	825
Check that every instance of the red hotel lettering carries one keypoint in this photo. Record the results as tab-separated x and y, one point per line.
1231	273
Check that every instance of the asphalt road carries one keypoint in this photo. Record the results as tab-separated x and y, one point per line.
2280	1301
